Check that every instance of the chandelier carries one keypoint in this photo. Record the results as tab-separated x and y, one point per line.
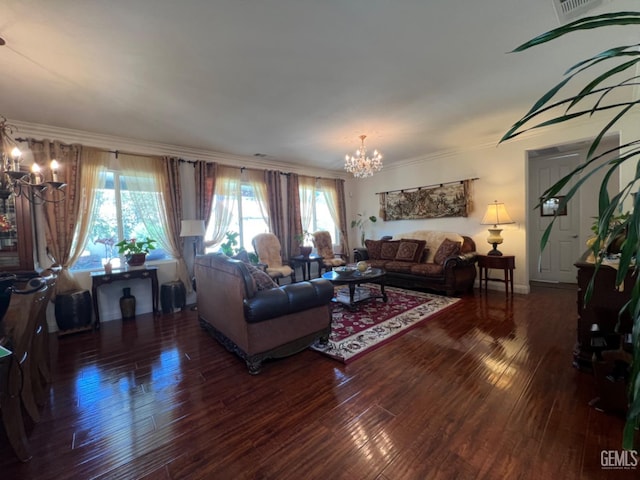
360	164
20	182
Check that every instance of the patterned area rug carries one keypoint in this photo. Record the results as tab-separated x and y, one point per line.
375	323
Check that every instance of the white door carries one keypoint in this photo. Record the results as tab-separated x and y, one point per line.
555	262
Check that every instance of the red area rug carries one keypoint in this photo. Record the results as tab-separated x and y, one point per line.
374	323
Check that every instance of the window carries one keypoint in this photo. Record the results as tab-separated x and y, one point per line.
321	216
246	217
119	216
316	210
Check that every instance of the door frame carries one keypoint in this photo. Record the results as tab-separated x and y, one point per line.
587	202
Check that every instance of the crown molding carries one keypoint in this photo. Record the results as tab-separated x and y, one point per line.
141	147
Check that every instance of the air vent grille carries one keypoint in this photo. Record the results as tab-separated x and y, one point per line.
568	10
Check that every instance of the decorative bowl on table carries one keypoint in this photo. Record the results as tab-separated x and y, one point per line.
344	271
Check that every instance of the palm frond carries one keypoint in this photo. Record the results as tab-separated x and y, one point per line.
609	206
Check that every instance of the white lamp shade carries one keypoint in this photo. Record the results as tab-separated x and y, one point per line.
192	228
496	214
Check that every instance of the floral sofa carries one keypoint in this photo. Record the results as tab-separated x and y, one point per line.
434	260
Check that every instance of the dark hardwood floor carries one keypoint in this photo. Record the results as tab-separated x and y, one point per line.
484	390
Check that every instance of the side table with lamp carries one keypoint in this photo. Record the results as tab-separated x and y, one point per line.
496	215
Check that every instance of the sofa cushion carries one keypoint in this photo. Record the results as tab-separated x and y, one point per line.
427	269
377	263
373	248
433	238
262	279
398	266
446	249
410	250
389	249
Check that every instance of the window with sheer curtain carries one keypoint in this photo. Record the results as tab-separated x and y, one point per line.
239	205
120	210
318	200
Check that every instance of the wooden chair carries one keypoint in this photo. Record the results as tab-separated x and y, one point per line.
10	405
16	386
40	363
21	323
269	251
324	246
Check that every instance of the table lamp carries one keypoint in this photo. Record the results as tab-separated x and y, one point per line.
192	228
495	215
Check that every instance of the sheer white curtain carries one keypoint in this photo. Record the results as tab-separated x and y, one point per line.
328	189
307	189
255	178
224	204
146	180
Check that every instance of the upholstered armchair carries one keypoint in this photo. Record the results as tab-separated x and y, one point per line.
244	309
269	251
324	246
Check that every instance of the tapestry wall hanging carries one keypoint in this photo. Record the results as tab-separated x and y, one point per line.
444	200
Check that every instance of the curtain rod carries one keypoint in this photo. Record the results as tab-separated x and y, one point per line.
181	160
115	152
428	186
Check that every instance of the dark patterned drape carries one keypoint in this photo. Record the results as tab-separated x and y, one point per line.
61	217
342	217
173	201
205	176
294	219
276	205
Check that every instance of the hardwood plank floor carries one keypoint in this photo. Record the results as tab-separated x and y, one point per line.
484	390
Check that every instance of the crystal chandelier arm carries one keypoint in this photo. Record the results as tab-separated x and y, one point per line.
362	166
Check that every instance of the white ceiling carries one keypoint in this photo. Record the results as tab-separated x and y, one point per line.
296	80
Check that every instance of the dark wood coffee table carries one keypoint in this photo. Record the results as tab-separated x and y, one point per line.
358	295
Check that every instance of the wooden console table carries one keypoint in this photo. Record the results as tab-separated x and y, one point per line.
100	278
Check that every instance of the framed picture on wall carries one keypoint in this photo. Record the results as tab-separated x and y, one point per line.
550	207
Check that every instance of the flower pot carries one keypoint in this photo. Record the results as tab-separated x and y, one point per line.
136	259
305	251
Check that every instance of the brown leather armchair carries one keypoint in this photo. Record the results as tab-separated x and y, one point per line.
255	323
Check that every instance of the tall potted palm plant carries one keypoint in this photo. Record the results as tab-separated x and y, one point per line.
608	73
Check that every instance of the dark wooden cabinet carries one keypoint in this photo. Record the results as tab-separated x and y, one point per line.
602	309
16	238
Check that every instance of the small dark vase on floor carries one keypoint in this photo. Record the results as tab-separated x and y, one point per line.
127	304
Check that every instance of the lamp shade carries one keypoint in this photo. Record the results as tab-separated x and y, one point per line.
496	214
192	228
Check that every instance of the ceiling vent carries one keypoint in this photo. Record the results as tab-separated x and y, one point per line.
569	10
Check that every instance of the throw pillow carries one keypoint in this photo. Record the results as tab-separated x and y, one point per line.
242	255
262	279
446	249
373	248
389	249
410	250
